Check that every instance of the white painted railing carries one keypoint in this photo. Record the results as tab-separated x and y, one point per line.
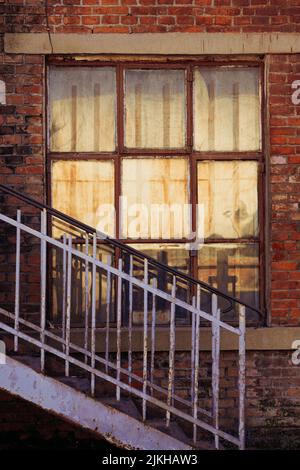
118	367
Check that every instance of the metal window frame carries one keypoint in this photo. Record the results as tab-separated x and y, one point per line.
193	156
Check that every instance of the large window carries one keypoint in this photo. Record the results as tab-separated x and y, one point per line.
166	157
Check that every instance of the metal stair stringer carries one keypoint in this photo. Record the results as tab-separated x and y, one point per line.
69	404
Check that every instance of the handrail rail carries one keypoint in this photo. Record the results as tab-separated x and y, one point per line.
118	244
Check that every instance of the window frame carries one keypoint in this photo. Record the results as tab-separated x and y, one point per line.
193	156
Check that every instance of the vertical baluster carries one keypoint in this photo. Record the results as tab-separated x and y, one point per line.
153	326
196	374
171	353
145	353
242	375
68	309
108	296
43	285
193	350
64	294
17	286
93	322
215	365
119	324
130	313
86	298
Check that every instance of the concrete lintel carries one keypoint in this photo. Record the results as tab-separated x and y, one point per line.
153	43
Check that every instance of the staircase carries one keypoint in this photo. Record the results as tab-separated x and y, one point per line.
103	290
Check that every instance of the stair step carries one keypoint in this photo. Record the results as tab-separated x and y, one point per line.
33	361
81	384
173	429
125	405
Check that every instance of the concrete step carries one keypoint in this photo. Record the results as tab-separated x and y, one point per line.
173	429
32	360
126	405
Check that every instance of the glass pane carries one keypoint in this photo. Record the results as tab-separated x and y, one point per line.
174	255
227	198
85	191
82	109
155	198
227	109
155	114
78	293
232	268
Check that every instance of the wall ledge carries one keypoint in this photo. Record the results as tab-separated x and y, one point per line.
257	339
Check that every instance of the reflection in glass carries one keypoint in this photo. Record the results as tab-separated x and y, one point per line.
228	193
231	268
82	109
155	115
227	109
173	255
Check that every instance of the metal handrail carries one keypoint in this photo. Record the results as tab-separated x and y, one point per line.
132	251
166	399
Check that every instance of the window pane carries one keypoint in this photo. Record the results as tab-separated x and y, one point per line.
155	198
82	109
174	255
227	109
85	191
155	115
227	198
234	269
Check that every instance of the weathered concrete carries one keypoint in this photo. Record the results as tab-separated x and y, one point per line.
62	400
148	43
257	339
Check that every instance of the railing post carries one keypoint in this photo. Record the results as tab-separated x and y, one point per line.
196	362
64	295
108	296
17	286
68	306
119	324
130	313
43	284
215	365
86	298
242	375
93	325
171	353
153	331
193	318
145	349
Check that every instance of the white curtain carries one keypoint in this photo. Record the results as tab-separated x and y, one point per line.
155	198
227	109
227	192
82	109
155	108
85	191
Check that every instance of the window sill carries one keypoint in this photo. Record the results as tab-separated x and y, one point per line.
271	338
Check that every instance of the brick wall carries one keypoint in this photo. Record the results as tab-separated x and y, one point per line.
284	189
139	16
272	382
272	393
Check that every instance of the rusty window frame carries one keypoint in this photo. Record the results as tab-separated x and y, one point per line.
193	156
